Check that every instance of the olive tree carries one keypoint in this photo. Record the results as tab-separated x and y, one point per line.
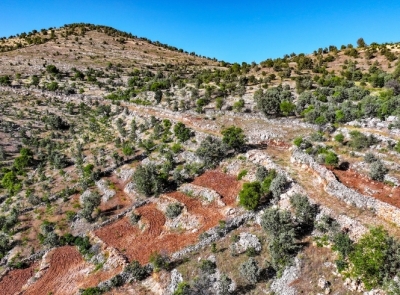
234	137
211	151
148	180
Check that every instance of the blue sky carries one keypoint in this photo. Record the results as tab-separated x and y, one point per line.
233	31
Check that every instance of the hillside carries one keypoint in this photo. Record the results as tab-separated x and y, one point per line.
133	167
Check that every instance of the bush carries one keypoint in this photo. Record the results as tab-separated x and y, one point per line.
298	141
249	196
53	86
136	270
183	288
266	184
5	80
173	210
242	174
250	271
208	266
369	257
5	244
52	69
360	141
378	171
159	261
343	244
331	159
134	218
278	185
370	158
261	173
92	291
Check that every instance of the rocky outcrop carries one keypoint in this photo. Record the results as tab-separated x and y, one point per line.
245	242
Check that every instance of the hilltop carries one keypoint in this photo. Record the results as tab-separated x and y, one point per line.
133	167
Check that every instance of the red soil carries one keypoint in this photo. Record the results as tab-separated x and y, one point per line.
67	273
369	187
276	143
137	245
15	279
225	185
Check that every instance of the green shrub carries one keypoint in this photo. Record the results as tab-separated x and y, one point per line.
250	271
369	257
249	196
241	174
134	218
342	244
208	266
378	171
298	141
173	210
92	291
339	138
136	270
183	288
331	159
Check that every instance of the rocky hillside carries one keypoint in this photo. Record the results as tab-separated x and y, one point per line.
133	167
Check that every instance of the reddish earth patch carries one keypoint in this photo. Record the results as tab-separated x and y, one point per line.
279	144
67	273
120	201
137	245
225	185
208	215
15	279
369	187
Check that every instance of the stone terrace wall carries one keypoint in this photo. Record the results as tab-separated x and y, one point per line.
335	188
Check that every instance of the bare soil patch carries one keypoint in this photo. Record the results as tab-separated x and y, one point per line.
369	187
225	185
68	272
15	279
138	245
317	262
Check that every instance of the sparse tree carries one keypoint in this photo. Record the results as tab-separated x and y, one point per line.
361	43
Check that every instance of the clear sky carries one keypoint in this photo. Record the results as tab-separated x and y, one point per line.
233	31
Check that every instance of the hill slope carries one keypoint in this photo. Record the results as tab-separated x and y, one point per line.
130	166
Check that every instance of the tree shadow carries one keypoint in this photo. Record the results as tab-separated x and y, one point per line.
344	166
